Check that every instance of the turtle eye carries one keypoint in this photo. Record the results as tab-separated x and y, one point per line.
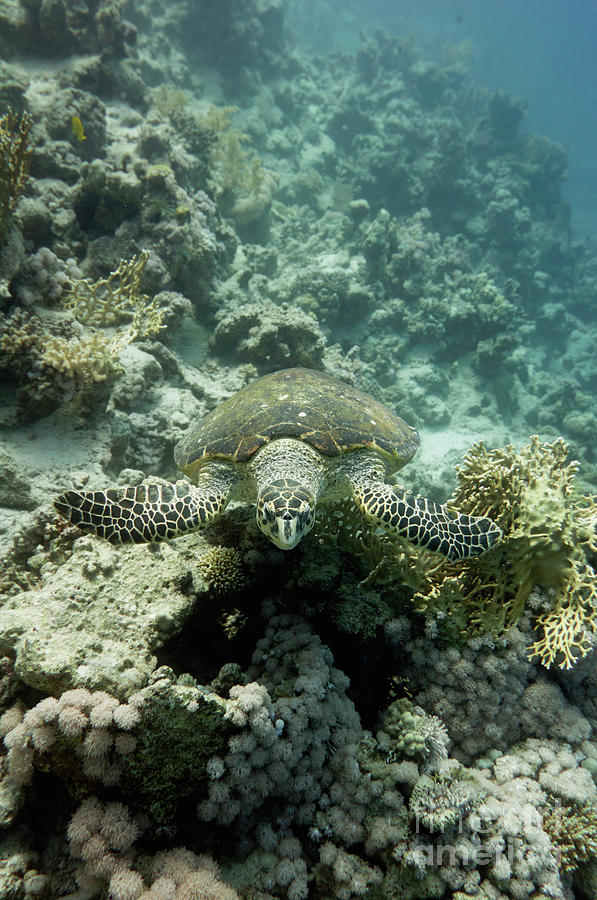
269	511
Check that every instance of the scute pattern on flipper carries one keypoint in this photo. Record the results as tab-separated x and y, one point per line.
141	514
427	524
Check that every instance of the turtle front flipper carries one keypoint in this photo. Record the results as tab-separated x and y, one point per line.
426	524
145	513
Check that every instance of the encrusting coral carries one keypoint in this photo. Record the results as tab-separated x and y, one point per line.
548	530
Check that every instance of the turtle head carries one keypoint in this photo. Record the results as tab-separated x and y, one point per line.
285	512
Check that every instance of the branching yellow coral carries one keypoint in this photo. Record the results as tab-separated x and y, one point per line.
228	159
85	360
169	100
115	299
56	359
15	155
547	529
19	333
237	172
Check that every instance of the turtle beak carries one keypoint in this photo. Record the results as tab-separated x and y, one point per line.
286	531
285	521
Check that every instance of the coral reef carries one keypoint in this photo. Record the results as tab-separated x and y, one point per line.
276	336
15	158
542	565
92	740
283	767
573	830
508	822
89	28
53	359
241	183
433	293
190	199
69	631
549	530
54	368
240	36
463	686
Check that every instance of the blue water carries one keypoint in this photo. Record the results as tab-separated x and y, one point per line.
544	51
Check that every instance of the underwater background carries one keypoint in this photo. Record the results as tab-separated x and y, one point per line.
399	194
541	51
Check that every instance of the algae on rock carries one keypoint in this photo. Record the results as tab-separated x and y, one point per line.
97	619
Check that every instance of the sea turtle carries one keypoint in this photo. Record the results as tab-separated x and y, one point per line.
287	441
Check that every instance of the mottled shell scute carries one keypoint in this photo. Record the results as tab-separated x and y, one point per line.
310	406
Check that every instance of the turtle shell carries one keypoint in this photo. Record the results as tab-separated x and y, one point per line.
310	406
